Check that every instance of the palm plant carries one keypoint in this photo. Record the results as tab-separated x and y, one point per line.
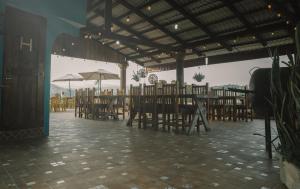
198	77
135	77
285	99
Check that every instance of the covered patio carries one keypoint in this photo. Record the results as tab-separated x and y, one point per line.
171	135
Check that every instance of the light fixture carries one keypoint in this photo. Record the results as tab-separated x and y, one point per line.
73	44
234	41
269	6
287	22
118	42
128	19
272	33
204	47
137	48
63	49
253	37
99	34
176	26
219	44
279	14
149	7
86	36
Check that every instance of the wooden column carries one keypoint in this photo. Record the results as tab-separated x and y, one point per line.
123	68
180	68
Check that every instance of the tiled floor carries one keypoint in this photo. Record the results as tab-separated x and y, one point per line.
108	155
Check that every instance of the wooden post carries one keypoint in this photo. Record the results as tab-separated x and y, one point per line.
180	68
268	138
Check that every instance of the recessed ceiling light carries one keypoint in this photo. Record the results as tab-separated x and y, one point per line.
149	7
269	6
176	26
128	19
279	14
118	42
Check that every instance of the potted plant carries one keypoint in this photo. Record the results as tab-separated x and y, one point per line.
285	100
135	77
198	77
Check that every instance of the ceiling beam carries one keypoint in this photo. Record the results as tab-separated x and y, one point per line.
154	23
195	21
230	36
241	17
235	35
234	46
137	34
107	15
281	8
229	58
123	39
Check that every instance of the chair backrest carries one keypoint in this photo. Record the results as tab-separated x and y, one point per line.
218	91
149	90
169	89
200	89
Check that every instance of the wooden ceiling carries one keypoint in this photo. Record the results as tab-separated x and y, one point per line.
151	32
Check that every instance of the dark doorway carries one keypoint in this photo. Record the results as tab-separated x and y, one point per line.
23	72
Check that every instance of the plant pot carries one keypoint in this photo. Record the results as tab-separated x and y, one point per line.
289	174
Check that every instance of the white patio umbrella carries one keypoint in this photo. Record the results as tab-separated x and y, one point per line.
69	78
99	75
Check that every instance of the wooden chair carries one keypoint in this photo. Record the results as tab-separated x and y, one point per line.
230	106
90	102
170	106
244	109
148	103
54	104
202	90
119	107
217	105
135	94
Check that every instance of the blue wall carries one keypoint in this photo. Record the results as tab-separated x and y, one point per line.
63	16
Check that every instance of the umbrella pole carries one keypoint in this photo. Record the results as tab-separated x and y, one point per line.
70	88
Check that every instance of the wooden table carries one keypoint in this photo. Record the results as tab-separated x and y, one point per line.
157	104
107	104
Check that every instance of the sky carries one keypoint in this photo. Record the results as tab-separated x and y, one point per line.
219	74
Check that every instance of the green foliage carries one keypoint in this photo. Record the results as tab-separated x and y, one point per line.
198	77
135	77
286	104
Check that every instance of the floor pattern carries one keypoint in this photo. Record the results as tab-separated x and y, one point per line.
108	155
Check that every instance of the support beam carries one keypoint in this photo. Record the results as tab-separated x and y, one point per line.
281	8
123	68
124	39
180	69
226	58
128	29
155	24
108	15
233	35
